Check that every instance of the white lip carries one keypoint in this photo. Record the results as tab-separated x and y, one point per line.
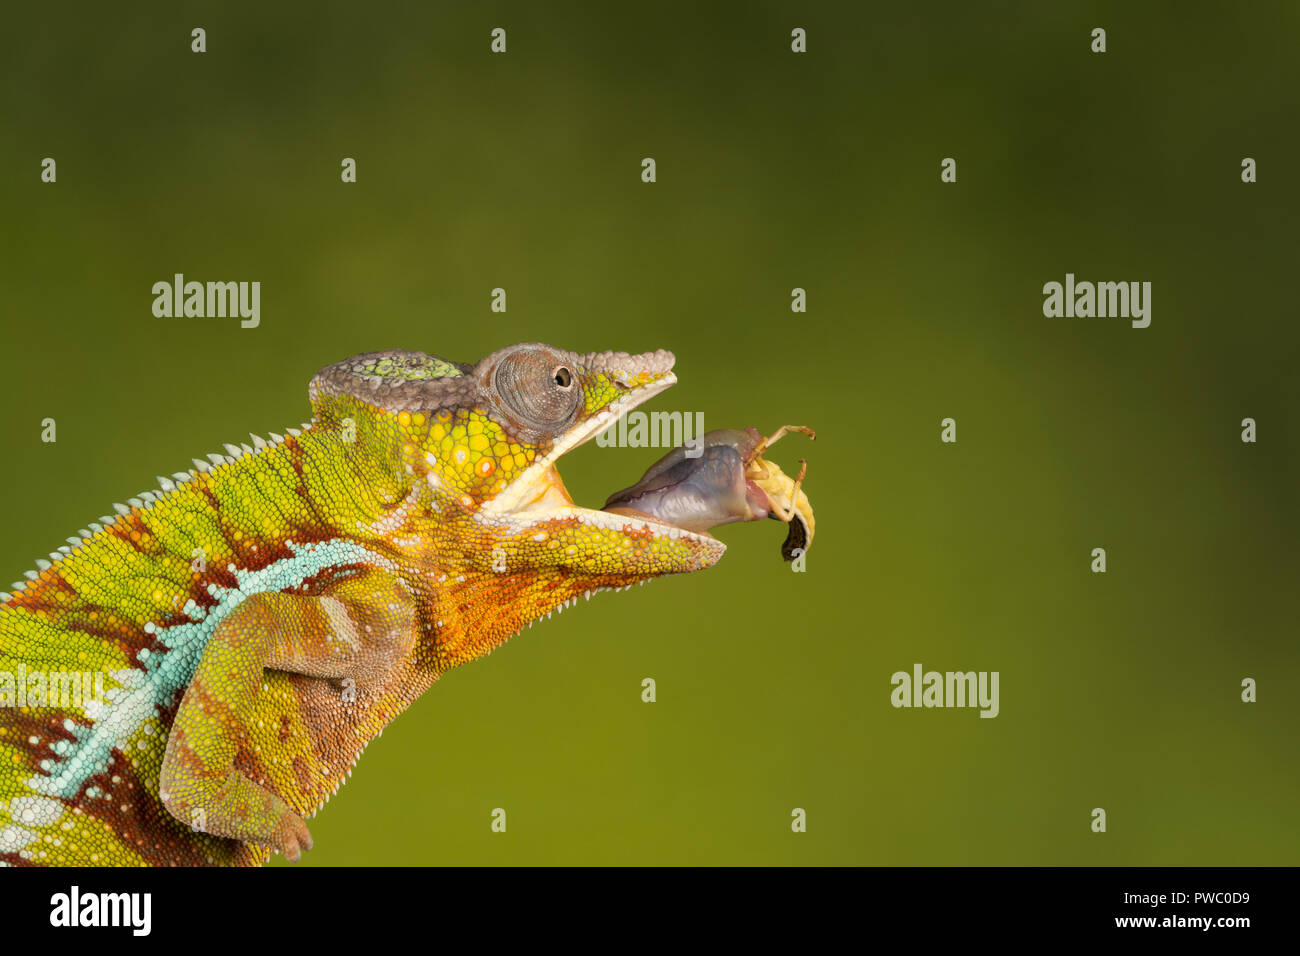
509	507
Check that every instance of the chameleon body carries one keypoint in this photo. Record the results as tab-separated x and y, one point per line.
255	622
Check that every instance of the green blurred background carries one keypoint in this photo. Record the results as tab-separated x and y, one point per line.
775	170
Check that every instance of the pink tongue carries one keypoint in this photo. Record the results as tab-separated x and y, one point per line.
698	493
708	490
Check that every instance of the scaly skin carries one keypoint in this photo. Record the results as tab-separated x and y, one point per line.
260	619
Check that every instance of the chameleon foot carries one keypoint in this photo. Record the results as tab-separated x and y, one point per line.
291	836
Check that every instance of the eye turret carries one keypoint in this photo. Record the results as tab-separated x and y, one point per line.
538	388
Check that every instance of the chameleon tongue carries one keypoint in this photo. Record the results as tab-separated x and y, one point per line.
726	481
694	493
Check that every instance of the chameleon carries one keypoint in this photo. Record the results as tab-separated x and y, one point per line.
189	679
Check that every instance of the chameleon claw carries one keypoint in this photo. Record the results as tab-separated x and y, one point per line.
291	836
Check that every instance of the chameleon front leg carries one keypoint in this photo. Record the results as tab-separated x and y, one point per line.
360	628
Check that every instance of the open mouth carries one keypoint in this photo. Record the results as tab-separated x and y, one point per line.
722	478
539	494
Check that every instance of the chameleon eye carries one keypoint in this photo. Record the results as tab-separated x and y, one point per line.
535	389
